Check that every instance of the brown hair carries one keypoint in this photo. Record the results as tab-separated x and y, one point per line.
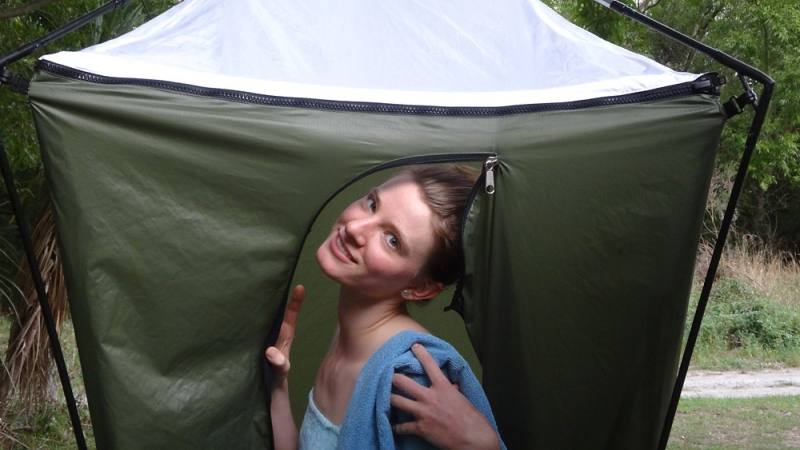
446	189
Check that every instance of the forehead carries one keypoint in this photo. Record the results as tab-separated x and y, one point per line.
403	204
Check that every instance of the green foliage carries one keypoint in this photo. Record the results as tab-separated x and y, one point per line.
765	34
771	43
16	123
742	327
15	120
47	427
588	14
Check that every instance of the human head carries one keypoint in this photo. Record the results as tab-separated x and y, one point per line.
446	189
403	236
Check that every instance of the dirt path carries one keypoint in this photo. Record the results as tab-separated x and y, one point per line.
703	383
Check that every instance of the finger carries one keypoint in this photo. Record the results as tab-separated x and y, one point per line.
274	356
407	428
289	324
431	368
292	310
405	404
278	360
409	386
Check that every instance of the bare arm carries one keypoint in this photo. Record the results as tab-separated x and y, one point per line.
442	415
283	427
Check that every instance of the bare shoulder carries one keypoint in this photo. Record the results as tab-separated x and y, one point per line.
403	323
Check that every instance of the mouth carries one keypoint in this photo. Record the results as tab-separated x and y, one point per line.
339	248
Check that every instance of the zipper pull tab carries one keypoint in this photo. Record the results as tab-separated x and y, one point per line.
489	165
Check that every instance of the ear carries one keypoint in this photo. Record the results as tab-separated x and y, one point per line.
424	290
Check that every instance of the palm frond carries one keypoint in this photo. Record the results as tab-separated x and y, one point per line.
28	362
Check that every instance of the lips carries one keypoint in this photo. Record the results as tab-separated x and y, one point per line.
339	248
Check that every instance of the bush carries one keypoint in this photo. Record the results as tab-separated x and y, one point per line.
741	322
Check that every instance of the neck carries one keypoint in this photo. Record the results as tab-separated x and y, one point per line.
366	323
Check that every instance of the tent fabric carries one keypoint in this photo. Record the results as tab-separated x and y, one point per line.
466	53
184	215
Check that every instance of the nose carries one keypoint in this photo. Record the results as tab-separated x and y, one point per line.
356	231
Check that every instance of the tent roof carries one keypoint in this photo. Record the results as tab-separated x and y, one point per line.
465	53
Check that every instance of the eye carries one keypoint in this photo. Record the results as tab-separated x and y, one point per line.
392	241
371	204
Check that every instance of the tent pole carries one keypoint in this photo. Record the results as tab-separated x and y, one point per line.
41	293
752	137
761	105
717	55
31	47
19	85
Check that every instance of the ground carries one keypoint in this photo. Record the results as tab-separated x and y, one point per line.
703	383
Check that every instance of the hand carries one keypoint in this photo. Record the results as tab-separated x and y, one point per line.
278	355
443	416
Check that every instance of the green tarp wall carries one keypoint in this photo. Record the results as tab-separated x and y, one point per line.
182	218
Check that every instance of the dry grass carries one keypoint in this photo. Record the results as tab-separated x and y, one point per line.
773	274
753	315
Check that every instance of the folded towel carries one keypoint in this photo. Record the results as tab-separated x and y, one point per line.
368	422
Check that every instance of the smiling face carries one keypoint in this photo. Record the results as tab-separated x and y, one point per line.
380	243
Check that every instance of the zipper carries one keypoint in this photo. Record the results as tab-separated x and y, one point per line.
485	182
406	161
705	84
488	168
422	159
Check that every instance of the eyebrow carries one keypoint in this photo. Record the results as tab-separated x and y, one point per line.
404	243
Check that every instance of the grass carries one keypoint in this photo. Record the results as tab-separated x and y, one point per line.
48	426
752	423
752	320
776	275
700	423
744	329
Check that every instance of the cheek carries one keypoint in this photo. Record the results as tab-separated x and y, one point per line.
384	265
324	258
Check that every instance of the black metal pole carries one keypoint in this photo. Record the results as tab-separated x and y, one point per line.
44	304
24	230
761	107
717	55
752	137
31	47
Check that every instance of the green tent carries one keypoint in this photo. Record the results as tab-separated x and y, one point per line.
195	161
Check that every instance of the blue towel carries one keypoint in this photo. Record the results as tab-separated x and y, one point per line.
369	419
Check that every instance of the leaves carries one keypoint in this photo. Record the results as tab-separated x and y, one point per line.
763	33
16	122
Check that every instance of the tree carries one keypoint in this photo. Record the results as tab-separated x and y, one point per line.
763	33
28	363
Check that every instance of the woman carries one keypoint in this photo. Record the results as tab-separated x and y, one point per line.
398	244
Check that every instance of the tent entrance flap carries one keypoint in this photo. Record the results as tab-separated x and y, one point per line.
572	186
317	320
170	330
746	74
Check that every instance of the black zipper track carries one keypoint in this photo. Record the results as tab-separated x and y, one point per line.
457	300
705	84
406	161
